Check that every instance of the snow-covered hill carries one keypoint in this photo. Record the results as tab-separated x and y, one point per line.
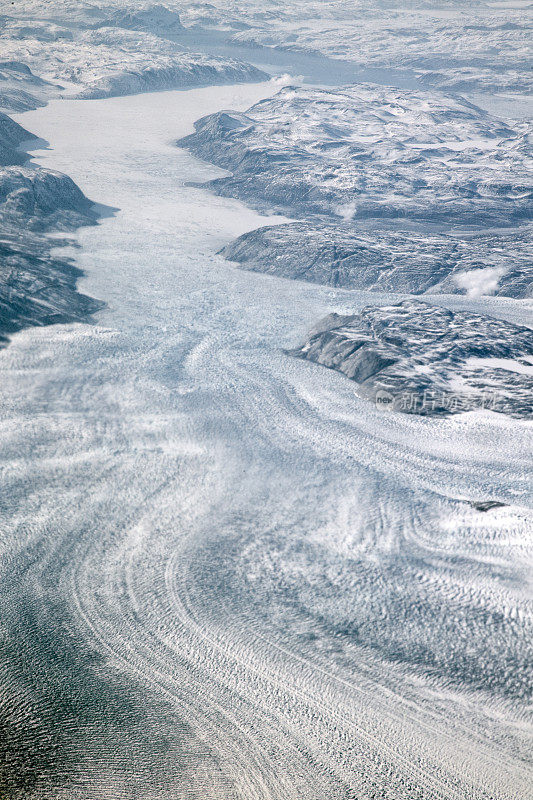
37	287
406	190
422	359
100	51
154	19
459	46
391	258
369	151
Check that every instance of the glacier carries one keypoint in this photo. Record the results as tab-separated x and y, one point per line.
226	572
37	288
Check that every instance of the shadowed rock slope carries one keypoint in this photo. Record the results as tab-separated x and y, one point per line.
36	286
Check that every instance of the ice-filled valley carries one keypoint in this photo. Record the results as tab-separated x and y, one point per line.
224	573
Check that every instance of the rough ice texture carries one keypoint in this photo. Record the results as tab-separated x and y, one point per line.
403	188
339	627
427	360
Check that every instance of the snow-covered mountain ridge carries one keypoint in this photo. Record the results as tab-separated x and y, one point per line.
110	61
36	287
434	176
457	46
368	151
391	258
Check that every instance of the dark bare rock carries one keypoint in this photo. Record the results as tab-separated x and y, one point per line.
486	505
42	199
37	288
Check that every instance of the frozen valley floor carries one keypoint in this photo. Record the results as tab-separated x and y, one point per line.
226	575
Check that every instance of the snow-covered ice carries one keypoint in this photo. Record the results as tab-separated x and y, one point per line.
224	574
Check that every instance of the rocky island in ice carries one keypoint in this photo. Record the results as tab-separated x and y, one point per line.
427	360
391	258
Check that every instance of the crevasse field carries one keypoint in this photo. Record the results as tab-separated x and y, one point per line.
226	576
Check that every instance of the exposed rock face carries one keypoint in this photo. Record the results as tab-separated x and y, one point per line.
486	505
390	260
43	199
427	360
400	190
11	136
36	288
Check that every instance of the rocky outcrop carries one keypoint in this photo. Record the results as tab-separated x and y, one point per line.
397	190
36	287
42	199
371	153
390	260
422	359
11	136
20	89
